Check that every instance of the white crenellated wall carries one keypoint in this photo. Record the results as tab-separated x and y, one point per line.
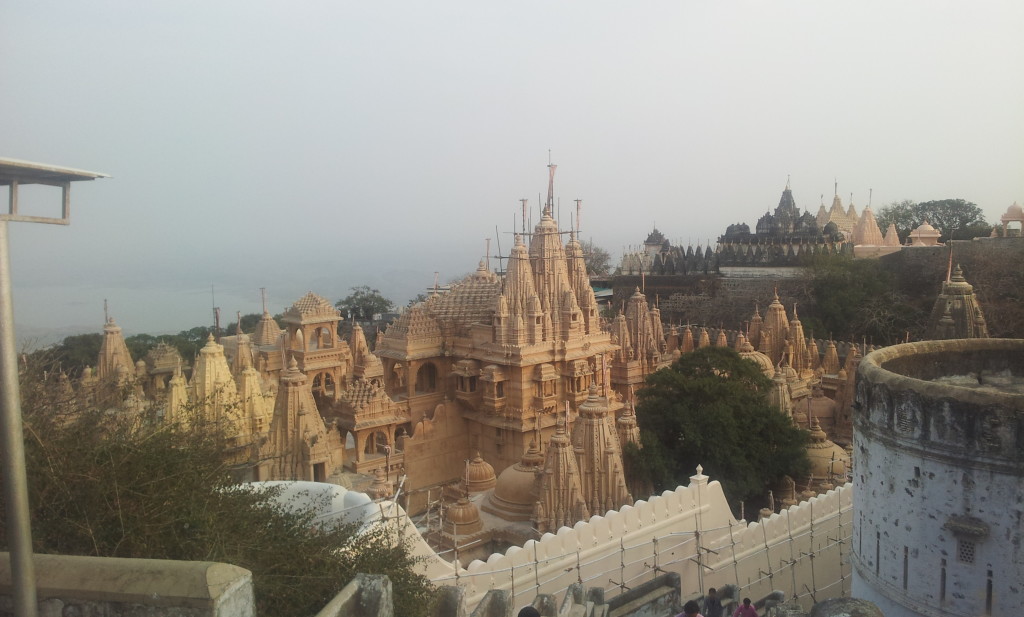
803	551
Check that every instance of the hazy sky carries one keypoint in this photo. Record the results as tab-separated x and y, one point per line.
320	145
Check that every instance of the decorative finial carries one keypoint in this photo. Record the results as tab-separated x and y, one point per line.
551	186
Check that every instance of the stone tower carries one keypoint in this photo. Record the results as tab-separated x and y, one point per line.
956	313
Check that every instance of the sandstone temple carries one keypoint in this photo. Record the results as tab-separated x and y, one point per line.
783	237
499	409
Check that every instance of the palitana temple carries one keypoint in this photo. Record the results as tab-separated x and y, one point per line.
499	408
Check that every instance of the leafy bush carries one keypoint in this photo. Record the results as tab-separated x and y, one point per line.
710	408
121	485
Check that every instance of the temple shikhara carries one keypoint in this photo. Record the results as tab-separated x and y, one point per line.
500	408
783	237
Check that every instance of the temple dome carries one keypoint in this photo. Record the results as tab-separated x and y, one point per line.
479	475
758	358
827	459
924	235
1014	212
515	491
463	518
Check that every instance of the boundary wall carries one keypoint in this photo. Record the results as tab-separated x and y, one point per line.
77	585
803	551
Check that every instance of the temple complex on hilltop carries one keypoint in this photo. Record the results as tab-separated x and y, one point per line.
785	237
504	400
499	408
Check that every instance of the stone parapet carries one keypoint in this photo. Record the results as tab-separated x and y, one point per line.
939	466
899	401
76	585
689	532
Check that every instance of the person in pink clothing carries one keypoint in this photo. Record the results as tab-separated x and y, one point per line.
745	610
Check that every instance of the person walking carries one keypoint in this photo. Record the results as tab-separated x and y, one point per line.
712	605
690	609
745	609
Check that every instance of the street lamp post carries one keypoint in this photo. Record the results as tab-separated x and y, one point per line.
14	173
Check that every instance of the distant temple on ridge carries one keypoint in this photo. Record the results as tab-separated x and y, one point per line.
785	237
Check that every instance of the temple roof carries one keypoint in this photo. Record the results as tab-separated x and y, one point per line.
311	308
267	331
472	300
1013	213
655	237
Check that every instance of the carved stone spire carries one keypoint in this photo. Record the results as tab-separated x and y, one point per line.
114	353
519	286
598	455
957	313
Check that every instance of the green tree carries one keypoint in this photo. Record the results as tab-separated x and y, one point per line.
363	303
75	352
140	344
248	323
859	298
420	297
710	408
956	219
118	486
898	213
598	260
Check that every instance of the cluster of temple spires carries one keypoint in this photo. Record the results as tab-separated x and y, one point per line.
520	371
786	236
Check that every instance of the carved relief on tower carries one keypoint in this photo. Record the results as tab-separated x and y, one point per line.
990	425
493	382
545	383
578	377
468	388
958	422
906	419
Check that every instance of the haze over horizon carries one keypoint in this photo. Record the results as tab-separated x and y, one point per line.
325	145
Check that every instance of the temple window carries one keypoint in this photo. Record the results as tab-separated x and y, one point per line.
499	390
965	550
377	443
426	378
465	384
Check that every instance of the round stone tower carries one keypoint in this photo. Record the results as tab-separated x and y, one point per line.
939	478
